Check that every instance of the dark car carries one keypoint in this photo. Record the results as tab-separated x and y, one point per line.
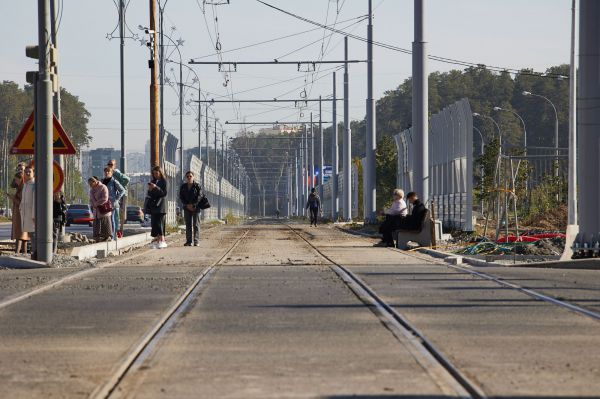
135	214
79	214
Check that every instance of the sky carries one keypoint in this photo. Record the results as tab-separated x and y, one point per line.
504	33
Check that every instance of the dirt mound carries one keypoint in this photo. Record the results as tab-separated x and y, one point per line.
549	246
553	220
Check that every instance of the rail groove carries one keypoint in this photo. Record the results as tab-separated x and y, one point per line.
448	376
145	346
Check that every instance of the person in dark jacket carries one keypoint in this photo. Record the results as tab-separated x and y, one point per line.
115	193
189	195
417	215
156	205
314	206
59	217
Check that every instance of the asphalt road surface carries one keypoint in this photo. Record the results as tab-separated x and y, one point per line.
270	313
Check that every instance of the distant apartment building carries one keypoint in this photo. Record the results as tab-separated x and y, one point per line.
94	161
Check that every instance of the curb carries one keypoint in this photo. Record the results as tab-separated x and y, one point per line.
103	249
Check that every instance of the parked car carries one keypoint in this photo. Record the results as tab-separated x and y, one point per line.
134	214
79	214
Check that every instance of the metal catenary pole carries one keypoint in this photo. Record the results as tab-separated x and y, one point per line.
181	171
43	139
371	142
207	160
321	160
420	106
335	158
199	125
56	96
312	152
572	194
122	81
347	144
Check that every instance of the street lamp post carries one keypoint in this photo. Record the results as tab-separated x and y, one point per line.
528	94
524	139
482	169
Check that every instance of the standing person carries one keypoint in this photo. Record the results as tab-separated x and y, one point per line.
115	193
59	217
124	180
102	215
314	203
27	207
393	219
190	193
156	205
18	234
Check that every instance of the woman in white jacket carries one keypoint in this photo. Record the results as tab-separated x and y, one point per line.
27	207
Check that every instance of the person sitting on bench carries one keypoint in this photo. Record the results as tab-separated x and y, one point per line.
393	219
414	221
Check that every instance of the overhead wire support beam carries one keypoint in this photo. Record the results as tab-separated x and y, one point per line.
273	100
269	123
274	62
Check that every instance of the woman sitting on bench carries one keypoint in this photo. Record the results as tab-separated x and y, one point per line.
393	219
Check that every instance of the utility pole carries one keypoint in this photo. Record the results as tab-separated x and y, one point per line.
347	143
335	158
312	152
56	96
302	169
305	176
199	125
215	152
161	11
207	153
572	193
181	171
420	105
371	144
297	180
43	139
122	80
154	96
321	160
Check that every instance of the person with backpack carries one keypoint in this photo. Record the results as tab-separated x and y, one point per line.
314	206
123	179
190	194
59	217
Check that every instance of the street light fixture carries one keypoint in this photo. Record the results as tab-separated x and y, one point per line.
522	122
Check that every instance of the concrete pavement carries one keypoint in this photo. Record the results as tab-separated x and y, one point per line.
274	321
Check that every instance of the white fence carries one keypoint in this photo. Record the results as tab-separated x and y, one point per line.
450	164
232	200
326	200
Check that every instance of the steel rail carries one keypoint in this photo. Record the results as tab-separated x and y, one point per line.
18	297
506	283
438	366
146	345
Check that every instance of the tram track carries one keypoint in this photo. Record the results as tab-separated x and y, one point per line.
144	348
447	376
506	283
44	287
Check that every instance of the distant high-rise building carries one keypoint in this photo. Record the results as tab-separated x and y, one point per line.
94	161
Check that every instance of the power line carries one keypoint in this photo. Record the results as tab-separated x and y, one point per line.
407	51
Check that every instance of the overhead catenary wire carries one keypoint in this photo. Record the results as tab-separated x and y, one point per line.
407	51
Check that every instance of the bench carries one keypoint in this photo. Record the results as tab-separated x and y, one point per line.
422	236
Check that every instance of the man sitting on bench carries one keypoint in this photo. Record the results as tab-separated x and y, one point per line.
414	221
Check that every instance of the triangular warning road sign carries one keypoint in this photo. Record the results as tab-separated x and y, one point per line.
25	141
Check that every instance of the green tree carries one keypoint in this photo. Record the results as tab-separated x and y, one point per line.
386	159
